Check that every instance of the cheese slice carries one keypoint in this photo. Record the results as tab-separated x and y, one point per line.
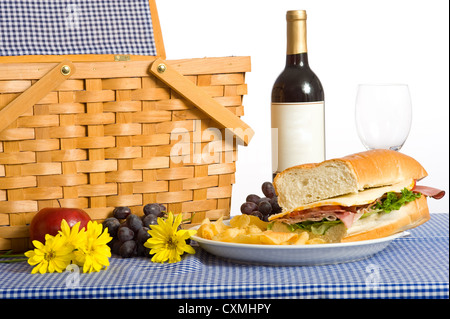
364	197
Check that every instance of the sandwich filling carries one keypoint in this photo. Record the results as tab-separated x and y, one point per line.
318	217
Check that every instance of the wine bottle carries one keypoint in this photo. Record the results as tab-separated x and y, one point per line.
298	108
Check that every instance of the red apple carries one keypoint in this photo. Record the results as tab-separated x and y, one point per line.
48	221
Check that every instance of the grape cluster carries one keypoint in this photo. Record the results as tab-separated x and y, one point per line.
262	207
130	231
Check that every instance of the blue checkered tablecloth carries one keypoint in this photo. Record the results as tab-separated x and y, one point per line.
55	27
410	267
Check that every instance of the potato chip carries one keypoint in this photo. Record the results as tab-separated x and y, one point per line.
277	238
302	239
240	221
208	230
218	226
315	241
250	238
253	229
279	227
258	222
205	231
248	229
229	234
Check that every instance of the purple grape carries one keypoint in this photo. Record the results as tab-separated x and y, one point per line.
150	220
248	207
268	189
127	249
265	208
134	222
257	214
153	209
125	234
253	198
142	235
115	246
276	208
112	224
121	212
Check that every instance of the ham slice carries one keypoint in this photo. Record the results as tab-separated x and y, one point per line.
429	191
347	216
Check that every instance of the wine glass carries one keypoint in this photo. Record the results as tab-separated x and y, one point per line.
383	115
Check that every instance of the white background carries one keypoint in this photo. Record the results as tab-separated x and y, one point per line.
349	42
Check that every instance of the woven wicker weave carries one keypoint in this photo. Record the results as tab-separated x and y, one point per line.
104	137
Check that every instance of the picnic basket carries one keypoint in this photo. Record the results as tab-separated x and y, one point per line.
100	130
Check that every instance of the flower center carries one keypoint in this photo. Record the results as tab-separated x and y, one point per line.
171	243
50	255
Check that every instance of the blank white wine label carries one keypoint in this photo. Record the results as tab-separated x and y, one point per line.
298	134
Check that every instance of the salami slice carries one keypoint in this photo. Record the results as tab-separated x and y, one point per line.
429	191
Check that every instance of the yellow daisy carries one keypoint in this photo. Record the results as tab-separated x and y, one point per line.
52	256
167	242
73	235
94	253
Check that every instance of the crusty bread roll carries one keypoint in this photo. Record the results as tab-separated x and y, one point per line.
307	183
375	226
344	188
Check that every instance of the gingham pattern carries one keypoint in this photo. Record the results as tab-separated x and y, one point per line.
47	27
410	267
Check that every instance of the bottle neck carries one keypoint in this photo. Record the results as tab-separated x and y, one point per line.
296	38
297	60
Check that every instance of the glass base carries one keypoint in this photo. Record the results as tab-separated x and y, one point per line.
392	148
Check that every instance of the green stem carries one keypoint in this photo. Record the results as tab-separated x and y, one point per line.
12	260
9	256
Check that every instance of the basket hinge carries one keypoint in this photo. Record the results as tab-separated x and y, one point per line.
118	57
35	93
183	86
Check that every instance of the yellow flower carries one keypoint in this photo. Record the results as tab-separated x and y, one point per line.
73	236
167	243
55	255
94	253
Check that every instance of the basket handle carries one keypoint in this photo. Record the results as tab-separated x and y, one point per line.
35	93
202	100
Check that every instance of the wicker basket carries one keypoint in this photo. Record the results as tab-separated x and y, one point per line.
97	135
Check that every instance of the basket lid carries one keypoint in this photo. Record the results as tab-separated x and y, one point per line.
79	27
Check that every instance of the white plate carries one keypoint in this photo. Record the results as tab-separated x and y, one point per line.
296	255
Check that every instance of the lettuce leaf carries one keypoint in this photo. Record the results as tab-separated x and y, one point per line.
394	201
317	228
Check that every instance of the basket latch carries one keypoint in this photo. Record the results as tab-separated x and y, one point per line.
183	86
35	93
